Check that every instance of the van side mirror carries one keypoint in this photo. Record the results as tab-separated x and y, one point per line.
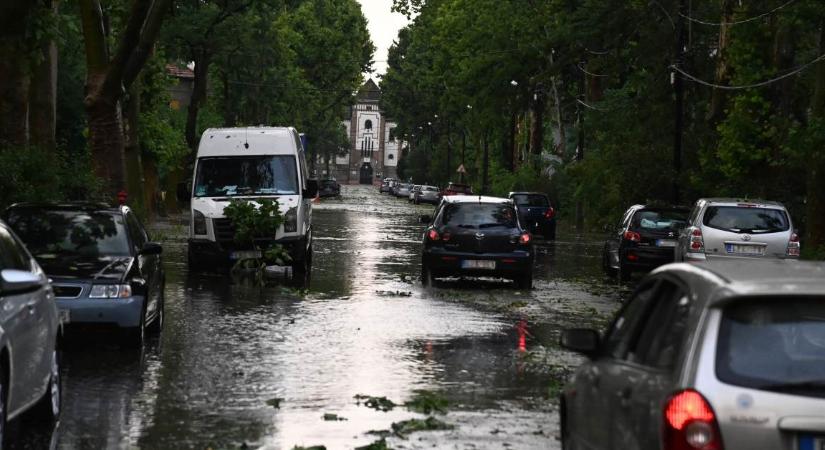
18	281
312	188
580	340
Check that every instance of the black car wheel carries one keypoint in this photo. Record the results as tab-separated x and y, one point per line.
624	271
135	336
49	406
610	271
3	396
426	275
157	325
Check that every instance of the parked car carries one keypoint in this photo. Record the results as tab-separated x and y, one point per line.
403	190
643	240
250	164
105	269
386	185
329	188
414	192
457	189
477	236
428	194
536	213
29	333
705	356
734	228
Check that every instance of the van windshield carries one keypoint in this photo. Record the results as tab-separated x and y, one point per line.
246	175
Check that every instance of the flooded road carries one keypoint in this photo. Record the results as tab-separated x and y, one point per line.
243	366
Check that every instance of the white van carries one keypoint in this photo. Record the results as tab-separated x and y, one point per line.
250	163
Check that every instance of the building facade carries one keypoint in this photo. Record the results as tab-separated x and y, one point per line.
374	148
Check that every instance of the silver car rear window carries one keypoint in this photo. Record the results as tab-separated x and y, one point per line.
774	345
746	219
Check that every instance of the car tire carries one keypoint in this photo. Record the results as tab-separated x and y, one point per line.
4	388
51	403
426	276
157	325
302	270
609	271
525	281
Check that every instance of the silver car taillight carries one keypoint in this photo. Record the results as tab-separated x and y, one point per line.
690	423
793	246
697	242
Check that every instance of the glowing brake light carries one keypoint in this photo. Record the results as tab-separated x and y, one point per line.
632	236
690	423
794	246
550	213
433	235
525	238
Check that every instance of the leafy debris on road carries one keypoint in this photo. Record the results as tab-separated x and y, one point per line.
404	428
427	402
331	417
379	403
394	293
275	402
380	444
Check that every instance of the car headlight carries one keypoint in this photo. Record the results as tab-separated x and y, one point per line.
291	221
110	291
198	222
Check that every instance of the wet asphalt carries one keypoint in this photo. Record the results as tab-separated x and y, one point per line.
240	365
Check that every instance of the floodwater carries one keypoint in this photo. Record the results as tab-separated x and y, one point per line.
243	366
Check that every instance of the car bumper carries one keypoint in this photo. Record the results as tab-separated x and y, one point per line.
121	312
648	258
443	263
218	253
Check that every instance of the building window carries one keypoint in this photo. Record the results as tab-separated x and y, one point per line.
369	108
392	134
368	125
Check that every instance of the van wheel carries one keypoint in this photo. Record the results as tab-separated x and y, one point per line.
49	406
302	270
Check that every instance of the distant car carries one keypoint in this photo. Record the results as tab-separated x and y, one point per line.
329	188
477	236
457	189
734	228
403	190
643	240
428	194
716	355
105	269
413	192
386	185
536	213
29	333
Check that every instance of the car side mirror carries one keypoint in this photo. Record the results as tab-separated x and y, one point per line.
312	188
151	248
581	340
18	281
425	218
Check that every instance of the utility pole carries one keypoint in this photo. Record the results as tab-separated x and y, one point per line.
679	94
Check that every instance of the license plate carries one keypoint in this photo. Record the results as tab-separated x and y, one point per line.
478	264
250	254
745	249
665	243
65	316
811	442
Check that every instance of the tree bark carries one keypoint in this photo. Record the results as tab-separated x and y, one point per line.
132	153
718	99
43	95
537	106
14	94
815	205
202	62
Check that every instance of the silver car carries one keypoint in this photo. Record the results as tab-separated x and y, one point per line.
428	194
29	325
413	192
732	228
716	355
403	190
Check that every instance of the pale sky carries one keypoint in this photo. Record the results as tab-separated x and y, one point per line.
383	26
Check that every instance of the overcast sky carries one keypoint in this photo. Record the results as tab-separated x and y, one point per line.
383	25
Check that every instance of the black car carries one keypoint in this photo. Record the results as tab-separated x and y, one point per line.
329	188
477	236
104	268
536	213
643	240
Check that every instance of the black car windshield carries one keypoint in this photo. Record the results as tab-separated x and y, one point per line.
479	215
246	175
659	219
57	233
740	219
774	344
531	200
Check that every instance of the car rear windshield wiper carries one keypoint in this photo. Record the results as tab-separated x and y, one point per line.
490	225
463	225
803	385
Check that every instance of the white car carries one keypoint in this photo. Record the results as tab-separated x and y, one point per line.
250	164
29	332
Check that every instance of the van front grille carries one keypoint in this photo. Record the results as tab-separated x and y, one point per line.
224	230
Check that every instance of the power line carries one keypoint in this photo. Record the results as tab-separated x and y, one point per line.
737	22
747	86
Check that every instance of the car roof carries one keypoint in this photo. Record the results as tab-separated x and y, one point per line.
475	199
729	201
70	206
723	280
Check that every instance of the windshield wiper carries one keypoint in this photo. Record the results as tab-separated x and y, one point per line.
490	225
818	385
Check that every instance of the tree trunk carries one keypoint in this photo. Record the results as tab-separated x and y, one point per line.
509	147
132	152
14	93
106	144
202	61
43	97
537	126
815	226
718	99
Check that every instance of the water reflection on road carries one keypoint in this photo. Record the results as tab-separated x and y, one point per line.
365	326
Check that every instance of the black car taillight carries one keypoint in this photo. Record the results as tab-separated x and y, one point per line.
525	238
550	213
632	236
433	235
690	423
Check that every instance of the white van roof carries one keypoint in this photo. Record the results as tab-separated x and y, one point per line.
248	141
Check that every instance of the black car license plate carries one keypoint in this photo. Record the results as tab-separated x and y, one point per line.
478	264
